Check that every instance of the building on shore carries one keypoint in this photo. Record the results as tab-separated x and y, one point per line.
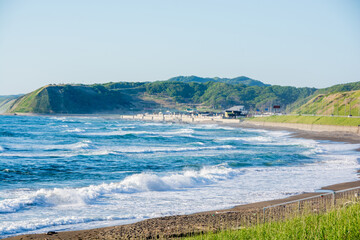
236	111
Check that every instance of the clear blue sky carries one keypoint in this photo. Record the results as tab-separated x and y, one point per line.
314	43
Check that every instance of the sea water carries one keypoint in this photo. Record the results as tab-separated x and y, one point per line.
71	173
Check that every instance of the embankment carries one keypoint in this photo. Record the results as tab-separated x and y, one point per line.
244	123
307	127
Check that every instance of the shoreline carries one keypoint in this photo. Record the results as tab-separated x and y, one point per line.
347	134
184	225
181	225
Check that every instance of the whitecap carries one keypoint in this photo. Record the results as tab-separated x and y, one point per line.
8	228
75	130
169	149
142	182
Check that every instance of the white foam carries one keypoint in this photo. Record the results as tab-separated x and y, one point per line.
116	133
83	152
79	145
134	183
75	130
1	149
121	132
176	132
150	194
214	126
21	226
83	148
168	149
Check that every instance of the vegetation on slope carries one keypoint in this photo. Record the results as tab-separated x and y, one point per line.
343	223
71	99
320	120
340	103
6	97
339	88
6	101
238	80
126	96
186	93
218	95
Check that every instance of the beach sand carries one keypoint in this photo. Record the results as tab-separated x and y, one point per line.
183	225
335	136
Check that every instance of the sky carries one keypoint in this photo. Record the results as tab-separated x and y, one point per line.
304	43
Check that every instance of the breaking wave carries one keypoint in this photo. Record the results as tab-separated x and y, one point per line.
142	182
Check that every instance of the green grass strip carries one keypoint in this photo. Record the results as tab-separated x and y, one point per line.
342	223
320	120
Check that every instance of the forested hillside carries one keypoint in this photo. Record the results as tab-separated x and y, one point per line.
152	96
243	80
72	99
218	95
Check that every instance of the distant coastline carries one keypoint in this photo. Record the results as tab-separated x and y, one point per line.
349	134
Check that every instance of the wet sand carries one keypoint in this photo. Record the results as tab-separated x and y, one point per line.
183	225
335	136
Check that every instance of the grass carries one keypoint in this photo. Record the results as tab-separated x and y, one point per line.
321	120
340	223
341	103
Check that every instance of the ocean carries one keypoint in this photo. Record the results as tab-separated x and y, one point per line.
72	173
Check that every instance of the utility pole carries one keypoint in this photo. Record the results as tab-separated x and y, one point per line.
349	106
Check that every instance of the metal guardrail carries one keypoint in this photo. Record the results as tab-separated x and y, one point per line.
326	193
306	114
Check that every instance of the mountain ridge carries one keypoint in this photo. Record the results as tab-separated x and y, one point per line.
121	97
237	80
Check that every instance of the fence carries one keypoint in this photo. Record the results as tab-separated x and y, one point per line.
319	203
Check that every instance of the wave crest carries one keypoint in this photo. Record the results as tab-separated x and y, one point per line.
142	182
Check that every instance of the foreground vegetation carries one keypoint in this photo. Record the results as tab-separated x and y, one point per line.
341	223
321	120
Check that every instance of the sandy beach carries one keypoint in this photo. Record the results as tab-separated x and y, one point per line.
183	225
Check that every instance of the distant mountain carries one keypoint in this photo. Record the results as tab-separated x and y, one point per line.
123	97
215	94
238	80
7	97
6	101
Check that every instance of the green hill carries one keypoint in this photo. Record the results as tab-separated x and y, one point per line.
339	88
339	103
238	80
120	97
353	86
71	99
6	101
